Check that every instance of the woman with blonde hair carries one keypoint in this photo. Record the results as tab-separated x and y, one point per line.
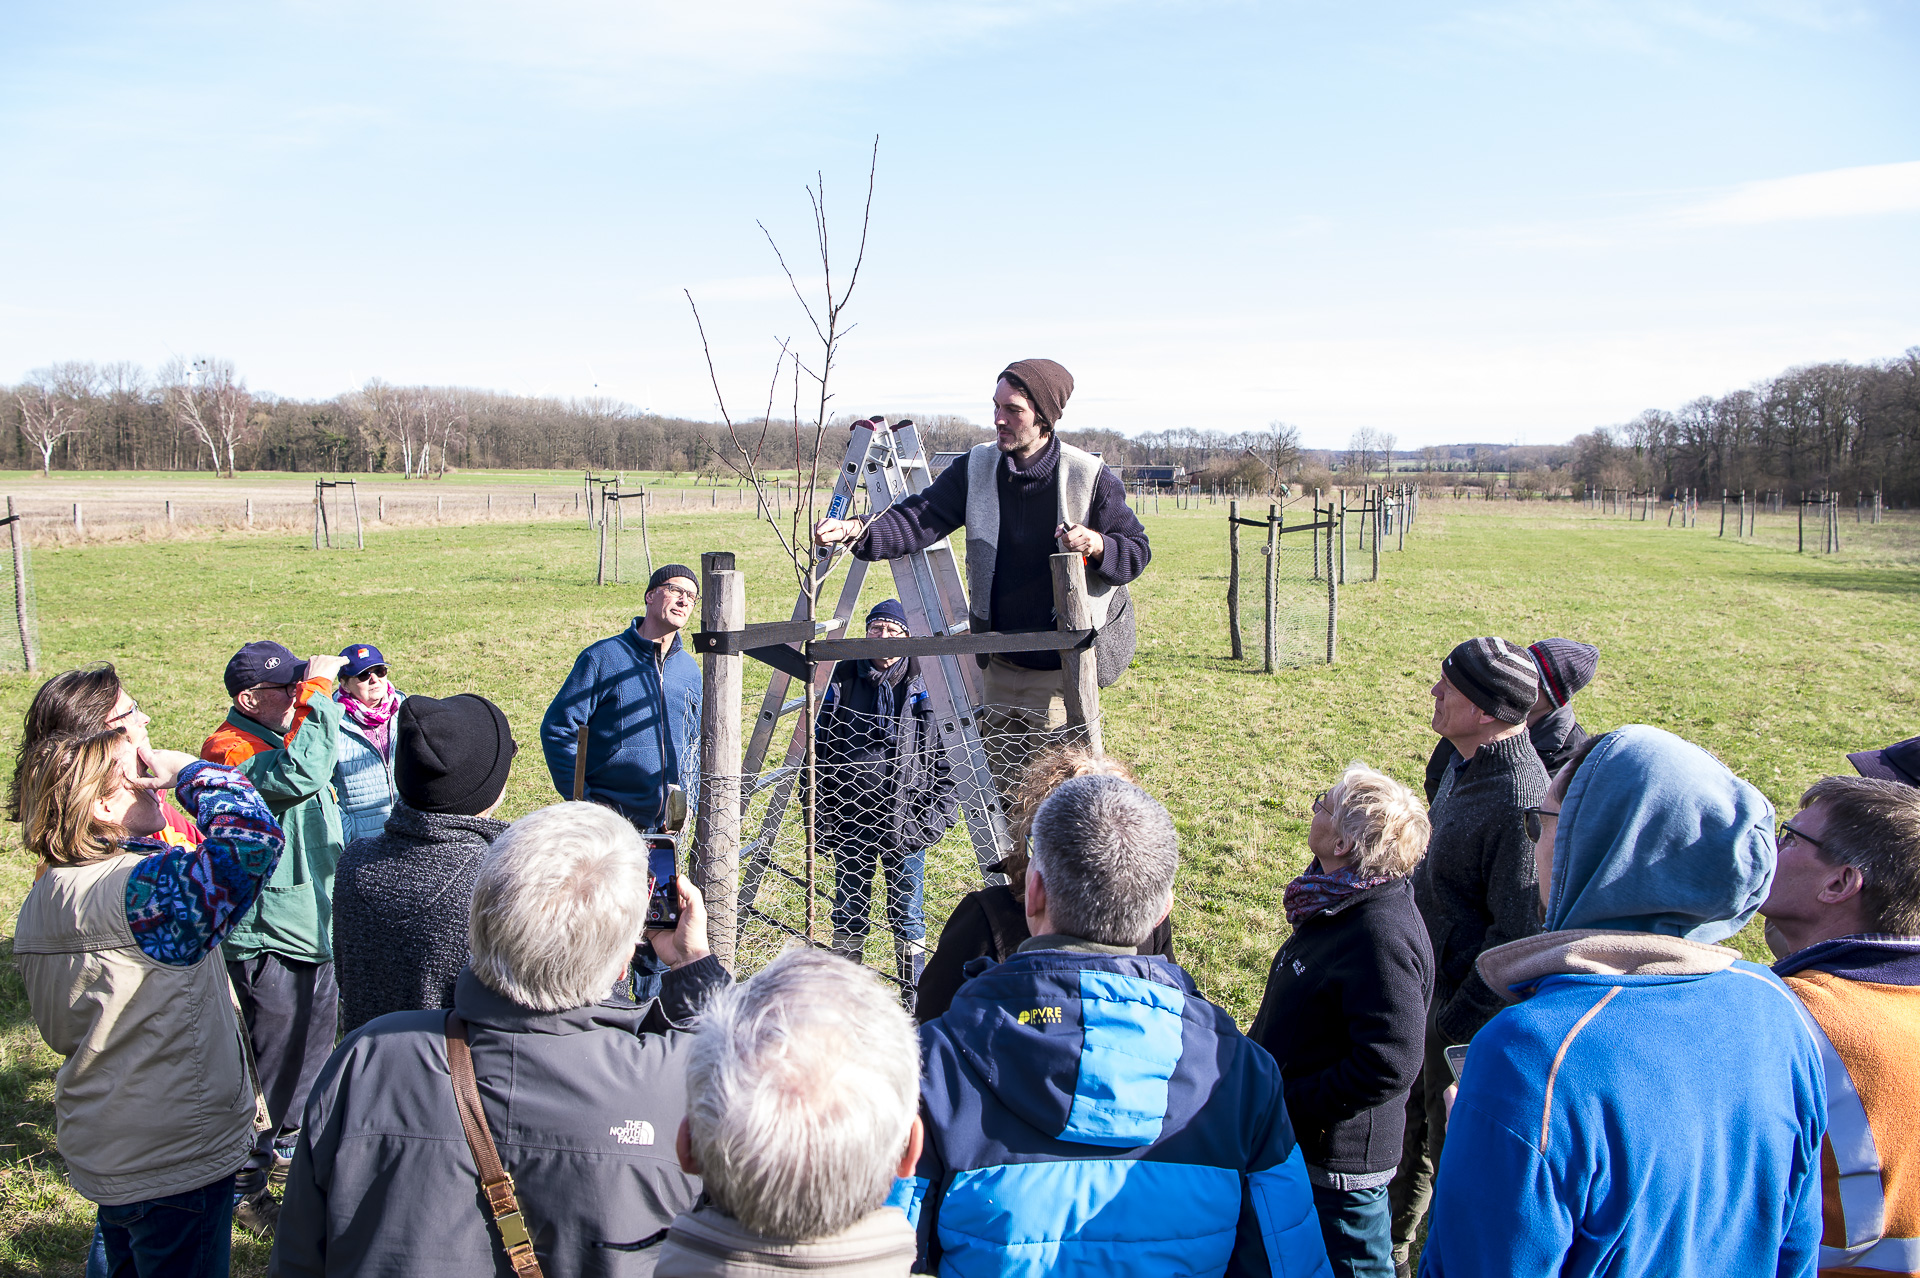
118	944
1345	1009
992	922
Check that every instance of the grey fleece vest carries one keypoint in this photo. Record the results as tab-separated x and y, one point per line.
1076	474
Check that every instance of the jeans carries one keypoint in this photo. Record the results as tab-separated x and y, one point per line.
292	1011
189	1235
1357	1225
905	872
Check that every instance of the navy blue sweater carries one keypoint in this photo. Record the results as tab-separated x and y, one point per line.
1029	513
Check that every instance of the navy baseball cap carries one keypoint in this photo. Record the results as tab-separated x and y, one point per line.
1897	762
360	656
263	661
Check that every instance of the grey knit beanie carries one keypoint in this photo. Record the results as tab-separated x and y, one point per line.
1496	675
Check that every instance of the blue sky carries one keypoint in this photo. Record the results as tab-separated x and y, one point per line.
1497	221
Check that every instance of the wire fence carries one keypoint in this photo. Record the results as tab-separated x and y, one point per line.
894	848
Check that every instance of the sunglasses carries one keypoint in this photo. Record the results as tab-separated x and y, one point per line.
371	672
1533	816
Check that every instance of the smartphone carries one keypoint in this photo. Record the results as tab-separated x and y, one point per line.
663	863
1457	1059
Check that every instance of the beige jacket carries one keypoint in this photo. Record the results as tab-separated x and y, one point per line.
707	1243
156	1096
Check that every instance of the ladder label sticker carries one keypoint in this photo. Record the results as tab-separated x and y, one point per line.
838	506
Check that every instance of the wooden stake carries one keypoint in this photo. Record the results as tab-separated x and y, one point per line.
359	533
1233	578
1082	669
14	528
715	863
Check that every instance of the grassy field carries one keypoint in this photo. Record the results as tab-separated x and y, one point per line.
1780	663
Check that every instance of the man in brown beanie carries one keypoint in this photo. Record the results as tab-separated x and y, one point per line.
1022	498
1477	887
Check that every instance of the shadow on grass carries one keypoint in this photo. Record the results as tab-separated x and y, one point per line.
1886	581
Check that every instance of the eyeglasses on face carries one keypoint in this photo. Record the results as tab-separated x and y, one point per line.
1788	835
1320	803
132	709
680	593
1534	826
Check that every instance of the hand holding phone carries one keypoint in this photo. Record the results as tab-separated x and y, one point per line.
687	941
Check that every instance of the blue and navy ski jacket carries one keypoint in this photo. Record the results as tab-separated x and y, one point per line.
642	711
1092	1114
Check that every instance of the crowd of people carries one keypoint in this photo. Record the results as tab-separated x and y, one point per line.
327	994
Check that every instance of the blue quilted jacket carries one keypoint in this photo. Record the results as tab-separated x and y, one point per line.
363	780
1091	1114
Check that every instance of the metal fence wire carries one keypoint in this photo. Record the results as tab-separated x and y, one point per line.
893	849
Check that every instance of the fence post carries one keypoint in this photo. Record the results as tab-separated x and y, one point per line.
249	512
27	654
1723	512
359	532
169	514
1343	536
1376	517
1333	588
380	509
316	514
1233	578
1270	645
600	572
1082	669
646	546
1400	521
1316	534
715	863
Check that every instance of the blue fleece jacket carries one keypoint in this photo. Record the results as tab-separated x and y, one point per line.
642	711
1651	1105
1091	1114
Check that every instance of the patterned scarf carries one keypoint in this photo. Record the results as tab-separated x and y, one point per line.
1313	892
377	720
886	701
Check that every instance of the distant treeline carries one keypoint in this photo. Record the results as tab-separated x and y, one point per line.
1851	427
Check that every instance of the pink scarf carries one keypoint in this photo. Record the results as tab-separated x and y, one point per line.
377	720
1315	891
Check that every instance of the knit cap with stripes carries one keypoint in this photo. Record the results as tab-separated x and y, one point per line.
1496	675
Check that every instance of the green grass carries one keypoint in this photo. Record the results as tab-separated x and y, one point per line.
1779	663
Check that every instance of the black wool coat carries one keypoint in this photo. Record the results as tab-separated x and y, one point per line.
1344	1015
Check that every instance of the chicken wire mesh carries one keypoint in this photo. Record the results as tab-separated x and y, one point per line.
895	835
1302	615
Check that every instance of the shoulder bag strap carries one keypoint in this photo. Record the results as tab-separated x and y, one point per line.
494	1180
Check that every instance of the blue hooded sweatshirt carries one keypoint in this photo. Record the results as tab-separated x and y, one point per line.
1091	1114
1652	1104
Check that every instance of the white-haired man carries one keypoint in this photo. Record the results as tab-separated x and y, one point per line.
580	1087
1087	1111
803	1087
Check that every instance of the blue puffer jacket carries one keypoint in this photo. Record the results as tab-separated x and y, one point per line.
1090	1113
363	780
642	711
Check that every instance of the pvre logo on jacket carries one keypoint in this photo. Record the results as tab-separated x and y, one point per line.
637	1131
1040	1016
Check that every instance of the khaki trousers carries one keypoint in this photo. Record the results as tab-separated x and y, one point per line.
1022	713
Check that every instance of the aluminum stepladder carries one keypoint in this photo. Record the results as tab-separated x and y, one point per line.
889	464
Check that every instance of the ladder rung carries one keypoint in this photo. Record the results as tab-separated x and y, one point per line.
798	703
772	776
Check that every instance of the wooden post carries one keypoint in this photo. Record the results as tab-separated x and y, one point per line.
1270	643
646	546
78	528
380	509
249	512
1343	536
1723	512
600	572
715	863
326	530
1376	515
1333	588
169	514
1233	578
316	514
359	531
1800	511
1315	534
1081	669
27	654
1400	522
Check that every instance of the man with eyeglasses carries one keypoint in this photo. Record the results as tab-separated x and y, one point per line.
283	734
1843	912
1476	888
636	697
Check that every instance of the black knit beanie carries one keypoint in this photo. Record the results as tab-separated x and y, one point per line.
452	755
1495	675
1565	667
667	572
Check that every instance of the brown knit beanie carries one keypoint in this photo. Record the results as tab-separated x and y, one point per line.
1046	384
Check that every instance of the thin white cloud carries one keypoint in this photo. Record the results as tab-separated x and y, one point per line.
1870	191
